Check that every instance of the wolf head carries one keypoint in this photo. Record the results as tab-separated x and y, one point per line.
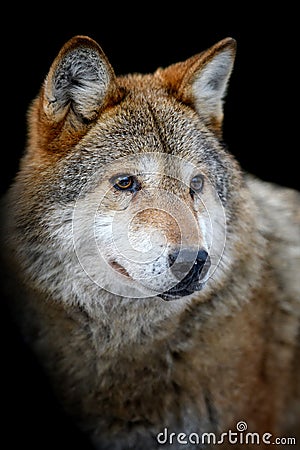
125	185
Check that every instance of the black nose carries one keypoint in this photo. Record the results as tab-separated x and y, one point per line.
189	267
186	263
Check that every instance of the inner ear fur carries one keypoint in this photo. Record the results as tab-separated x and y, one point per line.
80	80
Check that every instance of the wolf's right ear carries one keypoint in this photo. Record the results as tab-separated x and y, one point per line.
80	79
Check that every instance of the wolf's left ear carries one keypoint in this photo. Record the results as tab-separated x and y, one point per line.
80	80
201	81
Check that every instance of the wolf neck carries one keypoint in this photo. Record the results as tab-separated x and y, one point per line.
122	323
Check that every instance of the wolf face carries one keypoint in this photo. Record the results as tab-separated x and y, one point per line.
149	226
125	179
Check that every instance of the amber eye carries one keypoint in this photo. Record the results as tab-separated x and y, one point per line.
196	185
125	183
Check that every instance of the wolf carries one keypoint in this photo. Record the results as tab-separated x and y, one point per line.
155	280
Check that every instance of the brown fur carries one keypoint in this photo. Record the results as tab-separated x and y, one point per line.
125	368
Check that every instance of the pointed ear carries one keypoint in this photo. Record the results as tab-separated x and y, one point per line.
80	80
201	81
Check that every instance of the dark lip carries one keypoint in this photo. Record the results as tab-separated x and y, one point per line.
185	287
118	268
174	294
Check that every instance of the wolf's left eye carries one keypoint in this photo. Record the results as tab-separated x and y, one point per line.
196	185
125	183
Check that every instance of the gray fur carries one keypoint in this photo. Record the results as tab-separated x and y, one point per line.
127	366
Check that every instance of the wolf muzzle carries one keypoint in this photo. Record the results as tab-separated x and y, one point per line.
190	269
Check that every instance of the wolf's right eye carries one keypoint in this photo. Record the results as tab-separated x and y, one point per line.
196	185
125	183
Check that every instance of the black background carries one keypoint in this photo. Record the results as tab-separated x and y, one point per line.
259	128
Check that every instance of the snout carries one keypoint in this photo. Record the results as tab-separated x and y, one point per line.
190	268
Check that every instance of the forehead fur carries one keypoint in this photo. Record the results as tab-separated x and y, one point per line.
147	120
